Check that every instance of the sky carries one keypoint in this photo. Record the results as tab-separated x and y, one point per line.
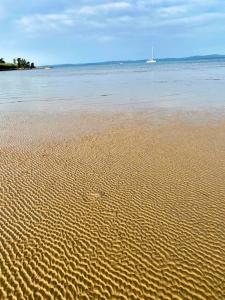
81	31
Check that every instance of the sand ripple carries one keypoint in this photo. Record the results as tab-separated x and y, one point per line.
133	212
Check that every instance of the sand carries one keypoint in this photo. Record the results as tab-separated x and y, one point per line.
117	206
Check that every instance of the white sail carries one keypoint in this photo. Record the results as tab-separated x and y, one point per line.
152	60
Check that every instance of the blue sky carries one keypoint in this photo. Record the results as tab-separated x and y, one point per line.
79	31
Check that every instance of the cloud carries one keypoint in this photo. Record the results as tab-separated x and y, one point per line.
191	21
86	16
127	15
171	11
47	22
104	8
106	29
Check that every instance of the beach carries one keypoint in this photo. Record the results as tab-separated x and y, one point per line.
112	182
123	205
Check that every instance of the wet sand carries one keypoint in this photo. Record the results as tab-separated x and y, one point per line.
112	206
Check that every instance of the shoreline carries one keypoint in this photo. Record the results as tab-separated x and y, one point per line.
22	69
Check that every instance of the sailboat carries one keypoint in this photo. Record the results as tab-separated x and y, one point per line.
152	60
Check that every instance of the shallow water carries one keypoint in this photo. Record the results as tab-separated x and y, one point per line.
133	211
171	85
112	206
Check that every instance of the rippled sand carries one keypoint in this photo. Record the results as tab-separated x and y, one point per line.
126	206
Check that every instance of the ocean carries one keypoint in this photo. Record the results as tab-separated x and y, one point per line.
190	84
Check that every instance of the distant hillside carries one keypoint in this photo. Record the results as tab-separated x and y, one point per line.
189	58
196	57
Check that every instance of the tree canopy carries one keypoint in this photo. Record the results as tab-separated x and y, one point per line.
18	63
22	63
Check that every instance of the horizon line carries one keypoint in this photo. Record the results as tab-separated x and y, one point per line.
139	60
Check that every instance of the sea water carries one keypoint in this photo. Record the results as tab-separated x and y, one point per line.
193	84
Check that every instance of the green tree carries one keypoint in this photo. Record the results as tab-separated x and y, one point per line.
19	62
2	61
22	63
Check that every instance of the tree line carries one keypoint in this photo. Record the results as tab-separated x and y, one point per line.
18	63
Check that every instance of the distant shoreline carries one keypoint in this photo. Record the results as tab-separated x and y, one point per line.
212	57
18	64
24	69
172	59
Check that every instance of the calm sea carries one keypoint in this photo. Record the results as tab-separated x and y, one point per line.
191	84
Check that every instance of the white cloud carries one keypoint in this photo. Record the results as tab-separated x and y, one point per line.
126	15
171	11
102	8
195	20
45	22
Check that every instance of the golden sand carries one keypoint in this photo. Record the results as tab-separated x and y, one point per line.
133	209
